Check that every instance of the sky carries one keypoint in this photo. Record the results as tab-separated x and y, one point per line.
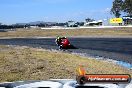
24	11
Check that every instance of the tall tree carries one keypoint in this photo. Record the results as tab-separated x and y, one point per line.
127	7
117	8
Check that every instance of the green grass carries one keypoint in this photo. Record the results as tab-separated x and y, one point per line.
23	63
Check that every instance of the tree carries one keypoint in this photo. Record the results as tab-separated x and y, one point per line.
117	8
127	7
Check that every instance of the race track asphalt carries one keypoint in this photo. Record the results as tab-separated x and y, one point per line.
113	48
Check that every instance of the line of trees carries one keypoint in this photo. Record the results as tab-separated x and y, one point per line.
28	25
11	26
48	24
120	6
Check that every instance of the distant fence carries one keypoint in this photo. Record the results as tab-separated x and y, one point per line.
109	27
83	27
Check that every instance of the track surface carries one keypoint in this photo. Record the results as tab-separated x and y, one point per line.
114	48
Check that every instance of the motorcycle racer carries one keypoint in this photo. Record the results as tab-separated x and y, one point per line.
62	42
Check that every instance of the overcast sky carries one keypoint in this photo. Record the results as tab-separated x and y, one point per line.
20	11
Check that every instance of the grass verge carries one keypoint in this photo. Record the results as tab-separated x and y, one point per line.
24	63
71	32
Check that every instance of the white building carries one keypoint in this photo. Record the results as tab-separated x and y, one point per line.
71	24
94	23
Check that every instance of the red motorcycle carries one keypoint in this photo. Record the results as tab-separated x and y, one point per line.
65	44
